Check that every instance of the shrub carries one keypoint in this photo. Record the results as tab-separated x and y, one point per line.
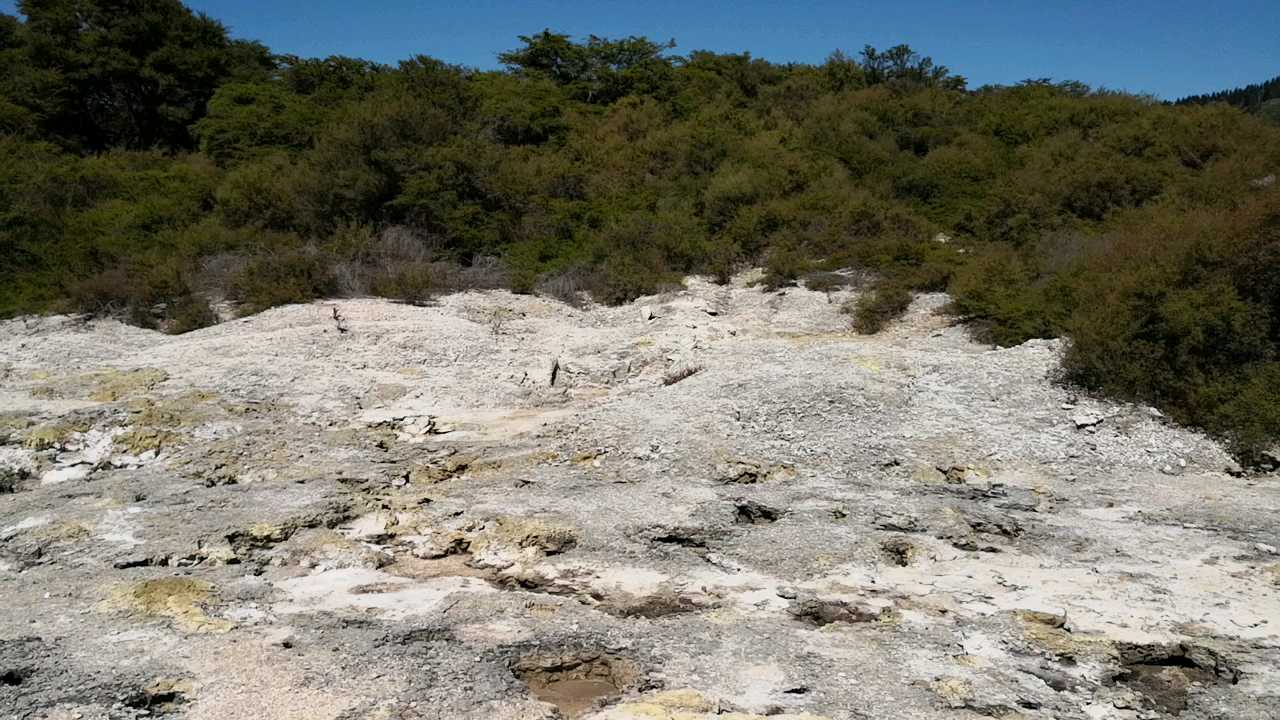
282	276
1004	299
827	281
1146	232
246	120
1182	315
873	310
114	292
190	312
413	282
264	194
625	277
1244	411
784	267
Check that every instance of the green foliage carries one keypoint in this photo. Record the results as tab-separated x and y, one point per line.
1006	300
841	72
271	192
521	111
875	308
283	275
1183	315
190	312
1250	97
784	267
246	120
598	71
902	65
1270	111
133	75
642	254
329	81
150	166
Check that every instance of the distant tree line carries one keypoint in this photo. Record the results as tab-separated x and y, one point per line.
1262	98
154	169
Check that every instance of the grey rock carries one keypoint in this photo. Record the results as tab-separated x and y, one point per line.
1086	420
295	544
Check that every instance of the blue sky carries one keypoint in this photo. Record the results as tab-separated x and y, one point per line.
1169	48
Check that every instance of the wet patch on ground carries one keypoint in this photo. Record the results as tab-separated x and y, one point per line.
577	682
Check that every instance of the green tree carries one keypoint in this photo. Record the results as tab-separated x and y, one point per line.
842	72
900	64
1270	110
246	120
134	74
598	71
332	80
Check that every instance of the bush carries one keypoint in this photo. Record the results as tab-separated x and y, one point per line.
264	194
1245	412
625	277
113	292
827	281
282	276
784	267
188	313
1146	232
1005	300
873	310
413	283
1182	315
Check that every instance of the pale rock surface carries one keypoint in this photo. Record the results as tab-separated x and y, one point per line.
437	515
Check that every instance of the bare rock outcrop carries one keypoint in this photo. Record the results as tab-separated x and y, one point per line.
716	503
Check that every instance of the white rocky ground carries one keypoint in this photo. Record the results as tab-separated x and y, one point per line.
717	503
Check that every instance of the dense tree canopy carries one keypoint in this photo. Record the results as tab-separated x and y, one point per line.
150	166
98	75
597	71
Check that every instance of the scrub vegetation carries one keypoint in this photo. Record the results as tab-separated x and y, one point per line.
150	165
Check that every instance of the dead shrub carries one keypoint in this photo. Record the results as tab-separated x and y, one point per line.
484	273
567	286
217	272
414	282
114	292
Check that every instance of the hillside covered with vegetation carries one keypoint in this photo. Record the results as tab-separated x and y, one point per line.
1262	98
150	165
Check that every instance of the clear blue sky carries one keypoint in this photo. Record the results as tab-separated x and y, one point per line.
1168	48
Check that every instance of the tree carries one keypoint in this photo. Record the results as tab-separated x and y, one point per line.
1270	110
247	120
597	71
902	65
330	80
133	73
843	72
28	94
741	73
1249	97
